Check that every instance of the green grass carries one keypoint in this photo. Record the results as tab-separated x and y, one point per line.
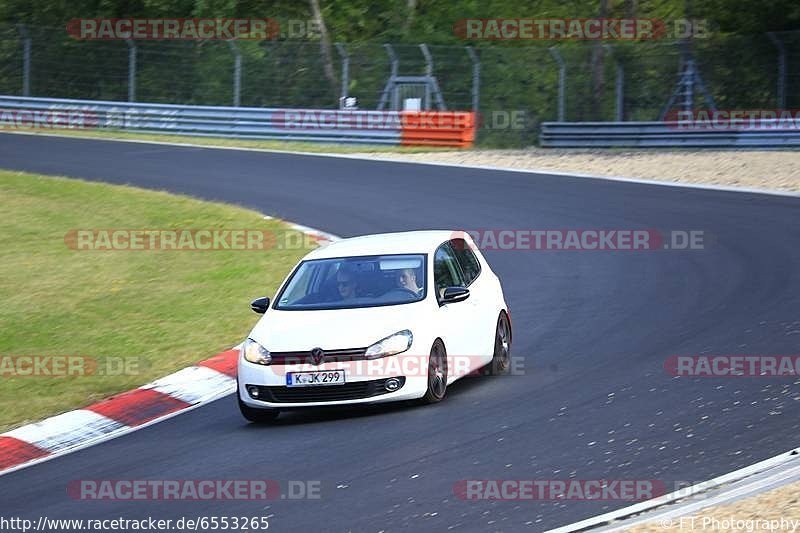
161	310
289	146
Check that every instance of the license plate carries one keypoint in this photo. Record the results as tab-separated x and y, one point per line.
313	379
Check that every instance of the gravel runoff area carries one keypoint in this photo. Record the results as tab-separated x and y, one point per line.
775	510
775	170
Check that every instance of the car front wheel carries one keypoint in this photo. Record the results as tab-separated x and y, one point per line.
501	360
437	373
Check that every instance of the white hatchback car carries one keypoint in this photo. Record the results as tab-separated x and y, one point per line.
378	318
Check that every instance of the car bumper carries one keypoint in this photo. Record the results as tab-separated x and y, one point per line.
363	386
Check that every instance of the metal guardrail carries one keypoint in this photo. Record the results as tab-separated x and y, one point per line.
768	134
410	128
368	127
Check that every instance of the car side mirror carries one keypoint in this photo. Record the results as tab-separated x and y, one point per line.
260	305
455	294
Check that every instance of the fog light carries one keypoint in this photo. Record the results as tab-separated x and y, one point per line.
253	391
392	384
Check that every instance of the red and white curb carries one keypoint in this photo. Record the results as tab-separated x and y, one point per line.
129	411
320	236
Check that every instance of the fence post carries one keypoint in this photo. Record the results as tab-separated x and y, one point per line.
393	57
476	77
428	72
26	59
345	72
237	74
389	84
431	82
619	84
131	69
428	59
781	92
562	81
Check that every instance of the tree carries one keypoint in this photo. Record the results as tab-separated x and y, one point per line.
598	69
325	46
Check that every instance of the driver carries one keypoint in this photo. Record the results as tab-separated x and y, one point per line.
346	283
407	279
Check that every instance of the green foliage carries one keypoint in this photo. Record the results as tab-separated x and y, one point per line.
738	62
432	21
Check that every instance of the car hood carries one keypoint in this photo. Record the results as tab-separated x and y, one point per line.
335	329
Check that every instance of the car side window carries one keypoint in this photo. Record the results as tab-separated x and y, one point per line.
446	272
470	265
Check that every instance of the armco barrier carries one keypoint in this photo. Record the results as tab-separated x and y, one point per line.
425	128
665	134
438	128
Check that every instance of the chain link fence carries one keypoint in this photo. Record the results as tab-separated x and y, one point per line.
515	86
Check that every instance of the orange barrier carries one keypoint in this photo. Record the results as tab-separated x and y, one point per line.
437	128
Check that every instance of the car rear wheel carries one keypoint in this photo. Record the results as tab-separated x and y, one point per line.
261	416
437	373
501	360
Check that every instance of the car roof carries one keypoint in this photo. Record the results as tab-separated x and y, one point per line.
407	242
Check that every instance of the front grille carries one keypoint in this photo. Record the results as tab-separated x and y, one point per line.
331	356
325	393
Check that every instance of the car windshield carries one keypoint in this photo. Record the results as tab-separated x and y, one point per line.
350	282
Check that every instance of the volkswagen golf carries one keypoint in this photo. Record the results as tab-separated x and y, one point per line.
377	318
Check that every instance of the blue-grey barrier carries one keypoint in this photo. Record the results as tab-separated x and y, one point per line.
314	125
768	134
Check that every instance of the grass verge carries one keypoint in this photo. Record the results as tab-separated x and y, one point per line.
154	311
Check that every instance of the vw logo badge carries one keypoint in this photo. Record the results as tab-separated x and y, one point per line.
317	355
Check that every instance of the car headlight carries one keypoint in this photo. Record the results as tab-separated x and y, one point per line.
391	345
255	353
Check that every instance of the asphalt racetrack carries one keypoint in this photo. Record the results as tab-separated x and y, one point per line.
593	329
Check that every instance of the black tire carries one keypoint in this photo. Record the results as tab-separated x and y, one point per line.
259	416
437	373
501	360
